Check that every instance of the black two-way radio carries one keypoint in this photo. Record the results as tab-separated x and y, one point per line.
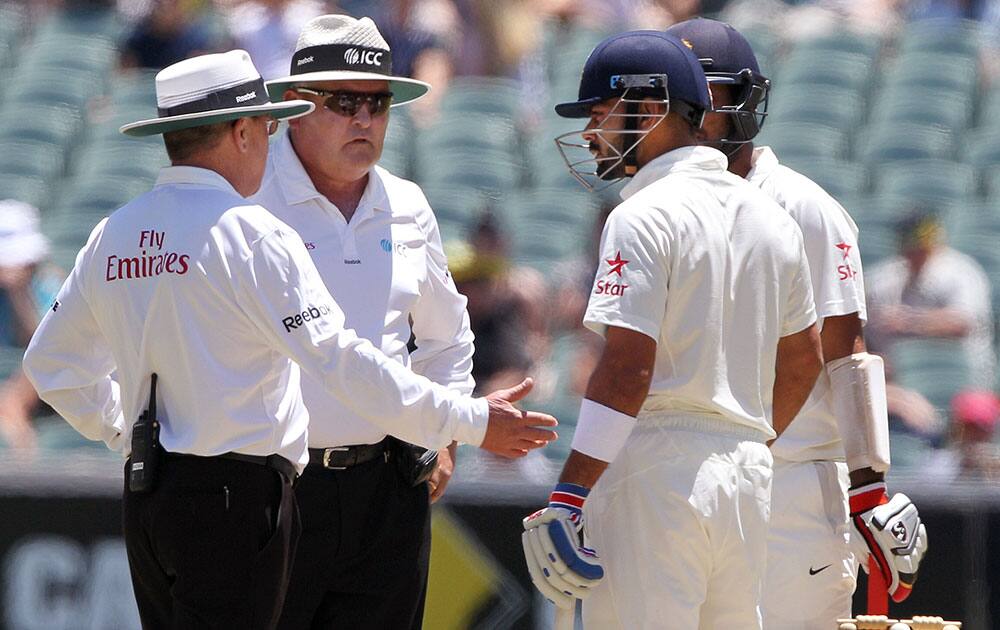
145	459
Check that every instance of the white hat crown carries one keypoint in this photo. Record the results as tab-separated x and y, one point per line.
343	48
195	78
211	89
341	29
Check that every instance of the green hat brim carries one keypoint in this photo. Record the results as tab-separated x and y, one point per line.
154	126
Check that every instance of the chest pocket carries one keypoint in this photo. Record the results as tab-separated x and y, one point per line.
409	263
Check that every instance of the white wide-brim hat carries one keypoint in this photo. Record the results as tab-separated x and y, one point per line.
211	89
21	242
342	48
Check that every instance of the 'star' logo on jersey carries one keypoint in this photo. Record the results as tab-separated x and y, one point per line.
845	271
607	287
617	264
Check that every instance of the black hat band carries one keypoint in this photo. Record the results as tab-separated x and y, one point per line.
242	95
342	57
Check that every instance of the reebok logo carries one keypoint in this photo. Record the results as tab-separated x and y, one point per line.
815	571
246	97
353	56
305	60
313	312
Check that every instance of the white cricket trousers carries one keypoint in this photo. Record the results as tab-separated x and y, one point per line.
810	568
679	520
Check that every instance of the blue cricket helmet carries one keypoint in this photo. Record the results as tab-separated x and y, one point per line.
642	63
727	58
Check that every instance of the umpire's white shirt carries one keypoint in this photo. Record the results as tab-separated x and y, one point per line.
221	300
385	268
831	241
715	272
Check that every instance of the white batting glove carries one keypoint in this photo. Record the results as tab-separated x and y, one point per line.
561	568
890	531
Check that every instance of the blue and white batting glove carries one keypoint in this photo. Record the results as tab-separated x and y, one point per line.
561	568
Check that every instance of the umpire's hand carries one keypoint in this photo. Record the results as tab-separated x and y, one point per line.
512	432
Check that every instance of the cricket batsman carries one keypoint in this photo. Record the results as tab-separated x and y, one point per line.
812	551
704	301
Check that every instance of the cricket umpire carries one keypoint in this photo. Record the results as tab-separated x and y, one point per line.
363	557
208	306
704	303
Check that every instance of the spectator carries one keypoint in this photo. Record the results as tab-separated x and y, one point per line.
27	289
932	290
971	453
173	30
424	36
268	29
912	414
504	306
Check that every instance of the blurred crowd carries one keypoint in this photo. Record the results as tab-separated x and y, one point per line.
522	318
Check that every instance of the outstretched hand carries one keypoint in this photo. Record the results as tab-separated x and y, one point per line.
511	431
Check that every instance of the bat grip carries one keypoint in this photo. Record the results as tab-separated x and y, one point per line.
565	618
878	590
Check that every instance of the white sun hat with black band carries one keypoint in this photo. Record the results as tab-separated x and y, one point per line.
342	48
211	89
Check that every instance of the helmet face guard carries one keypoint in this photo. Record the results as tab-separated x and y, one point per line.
747	115
597	172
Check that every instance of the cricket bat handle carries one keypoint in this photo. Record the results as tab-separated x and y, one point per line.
565	618
878	590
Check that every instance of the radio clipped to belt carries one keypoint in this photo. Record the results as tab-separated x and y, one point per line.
415	463
145	460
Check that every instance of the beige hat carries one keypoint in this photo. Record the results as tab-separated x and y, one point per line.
211	89
342	48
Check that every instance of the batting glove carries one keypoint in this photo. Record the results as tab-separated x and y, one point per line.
890	531
561	568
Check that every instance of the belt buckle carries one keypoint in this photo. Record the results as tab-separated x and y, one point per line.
326	457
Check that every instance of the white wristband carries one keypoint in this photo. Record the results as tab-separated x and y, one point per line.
601	431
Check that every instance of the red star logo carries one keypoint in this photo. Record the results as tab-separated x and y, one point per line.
616	264
844	247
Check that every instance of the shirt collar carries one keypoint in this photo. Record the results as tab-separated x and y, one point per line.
692	158
194	175
763	162
297	187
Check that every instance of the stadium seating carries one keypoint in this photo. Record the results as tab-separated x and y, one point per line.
903	141
806	68
935	368
803	141
883	124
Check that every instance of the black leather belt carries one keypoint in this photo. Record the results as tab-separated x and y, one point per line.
343	457
276	462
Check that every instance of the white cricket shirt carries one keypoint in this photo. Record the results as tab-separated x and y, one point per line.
385	268
714	271
221	300
831	242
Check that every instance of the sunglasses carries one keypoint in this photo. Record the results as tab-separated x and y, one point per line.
349	103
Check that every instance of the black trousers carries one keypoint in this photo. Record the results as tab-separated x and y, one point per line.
364	552
211	545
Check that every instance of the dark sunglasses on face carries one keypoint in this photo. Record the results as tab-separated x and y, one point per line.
349	103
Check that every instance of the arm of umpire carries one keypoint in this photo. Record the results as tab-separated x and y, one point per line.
443	336
69	362
282	292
